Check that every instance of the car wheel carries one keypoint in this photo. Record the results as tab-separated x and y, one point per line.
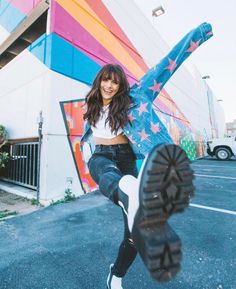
223	154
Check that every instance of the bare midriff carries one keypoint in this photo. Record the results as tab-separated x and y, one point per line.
120	139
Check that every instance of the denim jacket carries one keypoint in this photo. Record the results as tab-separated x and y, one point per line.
144	129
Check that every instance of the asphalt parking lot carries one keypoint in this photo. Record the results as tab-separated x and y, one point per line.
70	246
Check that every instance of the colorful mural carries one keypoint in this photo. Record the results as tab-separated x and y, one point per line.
89	26
179	127
73	116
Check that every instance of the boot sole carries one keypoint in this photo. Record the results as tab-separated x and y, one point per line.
165	188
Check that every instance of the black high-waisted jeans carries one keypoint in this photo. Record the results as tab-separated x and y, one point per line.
106	166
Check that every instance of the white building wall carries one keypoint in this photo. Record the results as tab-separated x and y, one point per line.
144	36
57	169
220	120
190	99
36	88
22	95
57	158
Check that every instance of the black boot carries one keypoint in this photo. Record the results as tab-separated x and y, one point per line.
165	188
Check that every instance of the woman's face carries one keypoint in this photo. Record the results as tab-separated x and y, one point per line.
108	89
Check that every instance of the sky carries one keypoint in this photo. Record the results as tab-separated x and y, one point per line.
217	57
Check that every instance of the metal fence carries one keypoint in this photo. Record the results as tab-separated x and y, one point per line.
22	167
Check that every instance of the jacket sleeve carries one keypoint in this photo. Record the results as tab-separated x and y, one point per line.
154	80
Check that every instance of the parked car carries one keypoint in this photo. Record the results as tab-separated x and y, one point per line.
222	148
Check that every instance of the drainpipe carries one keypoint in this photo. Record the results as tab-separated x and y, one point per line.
40	134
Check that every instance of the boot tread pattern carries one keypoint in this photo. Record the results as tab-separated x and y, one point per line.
169	189
166	187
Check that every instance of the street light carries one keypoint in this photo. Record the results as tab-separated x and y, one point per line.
158	11
208	101
206	77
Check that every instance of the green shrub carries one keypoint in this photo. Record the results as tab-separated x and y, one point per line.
69	196
3	138
4	157
6	213
3	134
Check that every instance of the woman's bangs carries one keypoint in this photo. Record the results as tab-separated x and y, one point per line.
111	74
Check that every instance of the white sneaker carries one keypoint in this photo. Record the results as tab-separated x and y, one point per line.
128	192
113	282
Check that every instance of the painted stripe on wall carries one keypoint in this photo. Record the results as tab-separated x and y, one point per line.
65	26
10	16
25	6
114	27
13	12
60	56
102	35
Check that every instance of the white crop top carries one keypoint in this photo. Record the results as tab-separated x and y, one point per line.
103	130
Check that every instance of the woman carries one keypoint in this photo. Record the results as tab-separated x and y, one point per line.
124	127
107	107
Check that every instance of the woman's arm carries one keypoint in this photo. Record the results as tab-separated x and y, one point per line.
154	80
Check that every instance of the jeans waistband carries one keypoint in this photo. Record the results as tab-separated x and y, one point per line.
115	146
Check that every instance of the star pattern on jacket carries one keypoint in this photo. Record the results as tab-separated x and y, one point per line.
156	87
172	65
142	108
193	46
143	135
155	128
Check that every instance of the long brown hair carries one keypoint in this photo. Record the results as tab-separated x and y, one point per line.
118	107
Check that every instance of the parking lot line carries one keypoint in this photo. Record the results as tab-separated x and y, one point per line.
209	166
213	209
217	177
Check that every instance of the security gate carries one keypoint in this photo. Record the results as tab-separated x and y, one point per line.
22	167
